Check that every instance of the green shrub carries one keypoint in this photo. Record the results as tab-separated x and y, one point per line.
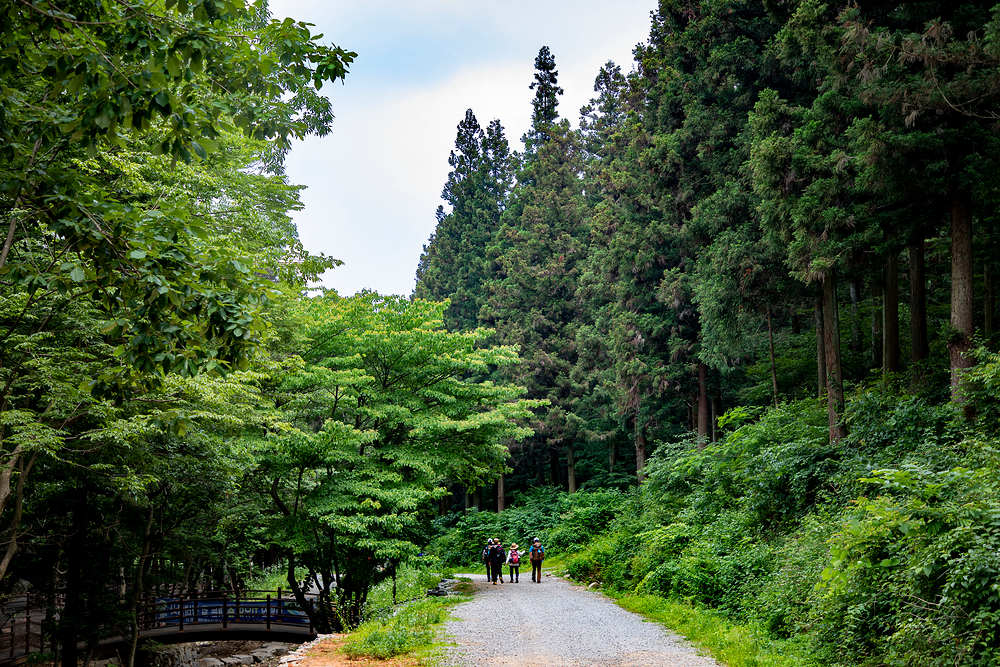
409	629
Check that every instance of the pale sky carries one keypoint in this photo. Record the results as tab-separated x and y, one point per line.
375	181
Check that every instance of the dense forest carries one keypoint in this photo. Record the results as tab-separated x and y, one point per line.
757	282
729	341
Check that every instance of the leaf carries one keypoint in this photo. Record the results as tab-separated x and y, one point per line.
139	254
77	275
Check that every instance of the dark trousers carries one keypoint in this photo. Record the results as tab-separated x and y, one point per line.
536	570
497	571
514	572
489	570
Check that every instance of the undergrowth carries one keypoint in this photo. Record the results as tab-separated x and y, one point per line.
409	629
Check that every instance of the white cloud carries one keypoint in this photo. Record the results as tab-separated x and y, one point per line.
375	182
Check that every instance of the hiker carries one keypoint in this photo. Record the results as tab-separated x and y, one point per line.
485	557
536	554
514	562
496	561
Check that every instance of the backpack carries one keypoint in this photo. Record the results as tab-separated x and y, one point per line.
536	553
515	557
486	555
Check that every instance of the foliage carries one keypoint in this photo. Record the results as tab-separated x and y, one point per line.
384	412
412	627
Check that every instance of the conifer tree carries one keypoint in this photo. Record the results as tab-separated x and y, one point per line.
453	265
546	103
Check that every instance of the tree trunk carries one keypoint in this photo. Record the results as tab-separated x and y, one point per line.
570	468
477	498
890	317
988	300
716	413
137	588
640	450
554	467
877	336
501	493
834	376
702	403
962	321
774	366
465	499
919	347
856	344
613	455
820	348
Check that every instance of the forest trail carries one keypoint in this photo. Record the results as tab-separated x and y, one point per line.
557	624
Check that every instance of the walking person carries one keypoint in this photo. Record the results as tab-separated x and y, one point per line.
486	557
514	562
496	561
536	554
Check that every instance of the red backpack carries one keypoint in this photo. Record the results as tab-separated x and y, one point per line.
515	557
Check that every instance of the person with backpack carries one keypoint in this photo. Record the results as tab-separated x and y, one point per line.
514	562
498	556
486	557
536	554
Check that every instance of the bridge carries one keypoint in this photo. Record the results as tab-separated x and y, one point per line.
28	621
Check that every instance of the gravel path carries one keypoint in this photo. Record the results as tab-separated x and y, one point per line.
558	624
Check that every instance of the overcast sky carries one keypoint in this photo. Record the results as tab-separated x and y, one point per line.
375	182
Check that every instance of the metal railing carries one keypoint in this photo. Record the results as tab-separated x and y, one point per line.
28	622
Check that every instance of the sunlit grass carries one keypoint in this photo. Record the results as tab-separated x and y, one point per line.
408	630
732	645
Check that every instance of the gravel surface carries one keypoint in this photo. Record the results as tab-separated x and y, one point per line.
558	624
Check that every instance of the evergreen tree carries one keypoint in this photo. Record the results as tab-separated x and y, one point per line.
545	106
532	301
453	265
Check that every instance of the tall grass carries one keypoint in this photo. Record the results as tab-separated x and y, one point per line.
732	645
409	629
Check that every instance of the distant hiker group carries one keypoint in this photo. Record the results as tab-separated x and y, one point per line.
494	557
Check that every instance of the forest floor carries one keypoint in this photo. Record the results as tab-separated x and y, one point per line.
557	624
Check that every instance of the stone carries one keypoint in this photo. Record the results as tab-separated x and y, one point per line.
231	661
210	662
175	655
261	656
244	659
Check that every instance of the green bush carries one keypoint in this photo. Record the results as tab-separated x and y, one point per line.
409	629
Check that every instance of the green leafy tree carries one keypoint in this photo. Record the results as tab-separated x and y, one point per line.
383	414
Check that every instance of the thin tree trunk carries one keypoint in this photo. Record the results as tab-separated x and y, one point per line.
554	467
877	335
465	500
856	344
834	376
919	347
570	468
820	348
640	450
137	588
702	403
988	300
73	608
890	317
716	413
774	365
501	493
962	320
613	455
23	468
477	498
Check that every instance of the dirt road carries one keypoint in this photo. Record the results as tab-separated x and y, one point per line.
557	624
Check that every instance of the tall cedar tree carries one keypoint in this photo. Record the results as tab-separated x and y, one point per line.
539	253
453	265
